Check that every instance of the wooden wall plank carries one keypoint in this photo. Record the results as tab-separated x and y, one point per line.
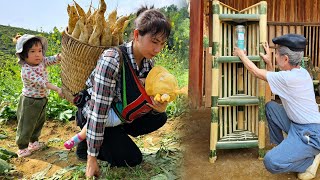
318	9
285	30
272	32
307	10
271	10
299	29
292	29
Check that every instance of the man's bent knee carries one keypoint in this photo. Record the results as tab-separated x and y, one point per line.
272	164
270	105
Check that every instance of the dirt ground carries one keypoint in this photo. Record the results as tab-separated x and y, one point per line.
194	130
54	134
237	164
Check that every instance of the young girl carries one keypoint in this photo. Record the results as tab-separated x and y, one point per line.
31	111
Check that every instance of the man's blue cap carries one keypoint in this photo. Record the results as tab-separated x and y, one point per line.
294	42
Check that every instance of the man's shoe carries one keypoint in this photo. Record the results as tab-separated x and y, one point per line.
311	171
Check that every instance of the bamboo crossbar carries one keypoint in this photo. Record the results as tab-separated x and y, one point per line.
237	17
236	59
238	101
237	144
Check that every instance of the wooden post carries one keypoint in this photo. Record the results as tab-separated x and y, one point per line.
195	55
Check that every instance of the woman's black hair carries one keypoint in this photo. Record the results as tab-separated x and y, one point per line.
27	46
152	21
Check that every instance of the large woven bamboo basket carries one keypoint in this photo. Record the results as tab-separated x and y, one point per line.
77	61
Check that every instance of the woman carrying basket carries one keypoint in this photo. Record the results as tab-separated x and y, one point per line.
118	105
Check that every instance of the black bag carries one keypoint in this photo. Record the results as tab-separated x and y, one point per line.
80	119
134	97
81	98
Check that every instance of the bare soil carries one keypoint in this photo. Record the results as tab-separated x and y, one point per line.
193	130
237	164
39	160
53	135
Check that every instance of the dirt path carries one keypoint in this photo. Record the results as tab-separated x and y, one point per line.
238	164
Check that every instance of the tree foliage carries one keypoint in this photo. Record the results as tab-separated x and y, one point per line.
179	36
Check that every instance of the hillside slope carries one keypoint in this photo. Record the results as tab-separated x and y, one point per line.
6	35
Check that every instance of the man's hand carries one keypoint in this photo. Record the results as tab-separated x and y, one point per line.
266	57
158	106
92	167
238	52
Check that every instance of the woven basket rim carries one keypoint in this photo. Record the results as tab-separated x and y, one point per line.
67	34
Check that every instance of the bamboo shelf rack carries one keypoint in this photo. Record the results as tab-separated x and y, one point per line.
238	98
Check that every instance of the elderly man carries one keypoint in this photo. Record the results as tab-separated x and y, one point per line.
298	116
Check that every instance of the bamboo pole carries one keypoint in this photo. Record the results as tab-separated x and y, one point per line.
240	91
229	119
238	101
229	53
234	88
220	123
215	83
213	135
239	17
250	35
225	120
208	77
262	85
257	124
225	77
236	59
